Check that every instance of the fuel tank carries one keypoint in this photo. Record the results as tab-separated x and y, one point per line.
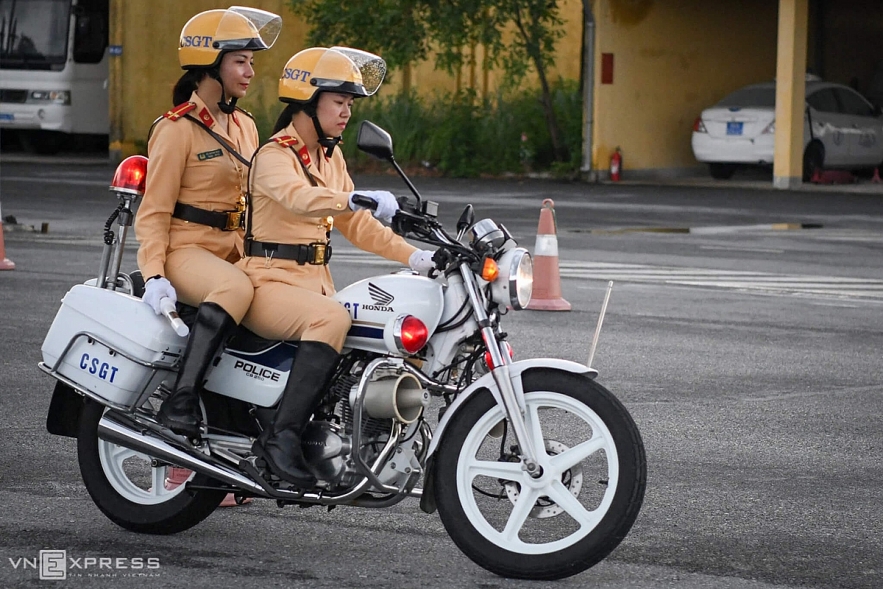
375	302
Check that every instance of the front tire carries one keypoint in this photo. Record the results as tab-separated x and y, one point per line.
569	519
132	490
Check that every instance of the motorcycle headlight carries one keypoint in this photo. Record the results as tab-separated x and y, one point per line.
514	285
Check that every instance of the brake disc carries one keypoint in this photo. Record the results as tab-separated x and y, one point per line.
572	479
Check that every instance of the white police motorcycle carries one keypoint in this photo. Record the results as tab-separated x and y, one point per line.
536	470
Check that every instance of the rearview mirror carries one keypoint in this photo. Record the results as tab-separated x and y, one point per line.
467	218
374	141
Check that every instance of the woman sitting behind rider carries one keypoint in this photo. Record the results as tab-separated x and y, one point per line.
189	223
300	188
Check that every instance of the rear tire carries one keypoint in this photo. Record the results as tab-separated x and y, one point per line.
722	171
561	524
138	498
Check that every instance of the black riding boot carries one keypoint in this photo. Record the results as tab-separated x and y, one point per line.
279	444
180	412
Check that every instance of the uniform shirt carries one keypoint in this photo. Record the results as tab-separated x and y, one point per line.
187	165
287	208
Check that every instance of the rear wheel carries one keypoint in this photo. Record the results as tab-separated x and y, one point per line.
575	513
813	159
722	171
133	490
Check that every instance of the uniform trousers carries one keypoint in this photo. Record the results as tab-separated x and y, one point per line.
280	311
199	276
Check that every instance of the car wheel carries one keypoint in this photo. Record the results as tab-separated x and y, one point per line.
722	171
813	160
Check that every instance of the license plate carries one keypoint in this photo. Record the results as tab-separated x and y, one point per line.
734	128
6	116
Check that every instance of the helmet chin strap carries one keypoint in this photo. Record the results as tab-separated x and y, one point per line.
226	107
329	143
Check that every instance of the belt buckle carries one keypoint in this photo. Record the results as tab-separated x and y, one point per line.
234	221
318	254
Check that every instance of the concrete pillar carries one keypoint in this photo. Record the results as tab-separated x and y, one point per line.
115	83
790	94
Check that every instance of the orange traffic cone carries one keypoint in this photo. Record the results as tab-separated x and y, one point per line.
178	476
546	279
5	263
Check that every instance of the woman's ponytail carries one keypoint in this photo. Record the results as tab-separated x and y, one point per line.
187	84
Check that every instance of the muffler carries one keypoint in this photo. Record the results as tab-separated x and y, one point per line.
114	431
401	398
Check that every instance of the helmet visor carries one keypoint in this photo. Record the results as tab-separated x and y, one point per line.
247	28
371	67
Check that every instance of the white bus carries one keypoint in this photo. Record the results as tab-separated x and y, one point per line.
53	70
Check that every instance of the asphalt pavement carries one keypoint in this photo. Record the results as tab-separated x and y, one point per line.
748	355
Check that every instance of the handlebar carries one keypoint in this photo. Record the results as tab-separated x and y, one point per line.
365	202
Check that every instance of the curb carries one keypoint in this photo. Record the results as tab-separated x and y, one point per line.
709	230
64	159
21	228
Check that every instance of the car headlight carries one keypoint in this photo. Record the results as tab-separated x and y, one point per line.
514	285
49	97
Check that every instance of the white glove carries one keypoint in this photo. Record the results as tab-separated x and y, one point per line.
386	203
421	261
156	290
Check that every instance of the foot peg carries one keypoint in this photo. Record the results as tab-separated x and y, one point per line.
258	470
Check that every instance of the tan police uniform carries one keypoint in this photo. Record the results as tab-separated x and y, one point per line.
186	165
292	300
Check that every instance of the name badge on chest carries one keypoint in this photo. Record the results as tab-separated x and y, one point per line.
207	155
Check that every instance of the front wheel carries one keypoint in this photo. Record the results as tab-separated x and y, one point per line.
594	473
134	490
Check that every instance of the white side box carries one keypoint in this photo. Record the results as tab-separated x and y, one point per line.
128	326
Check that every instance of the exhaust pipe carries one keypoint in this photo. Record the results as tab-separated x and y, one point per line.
118	433
402	398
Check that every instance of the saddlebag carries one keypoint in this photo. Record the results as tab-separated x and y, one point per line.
111	344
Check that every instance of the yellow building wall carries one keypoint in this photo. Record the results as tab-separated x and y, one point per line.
149	62
426	79
671	59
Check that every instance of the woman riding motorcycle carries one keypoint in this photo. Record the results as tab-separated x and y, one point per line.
300	189
189	223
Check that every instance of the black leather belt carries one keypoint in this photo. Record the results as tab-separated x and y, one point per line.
225	221
315	254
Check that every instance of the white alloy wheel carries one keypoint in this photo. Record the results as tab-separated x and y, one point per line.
136	476
557	495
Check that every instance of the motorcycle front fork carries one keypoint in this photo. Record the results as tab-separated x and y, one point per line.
513	400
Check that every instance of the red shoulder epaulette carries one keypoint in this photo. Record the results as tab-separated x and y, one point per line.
286	140
179	111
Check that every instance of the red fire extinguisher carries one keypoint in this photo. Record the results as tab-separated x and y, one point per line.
616	166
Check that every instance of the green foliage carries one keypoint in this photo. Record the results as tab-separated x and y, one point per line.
517	35
395	29
462	135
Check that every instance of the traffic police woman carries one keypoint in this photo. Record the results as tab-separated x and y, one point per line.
300	188
189	223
